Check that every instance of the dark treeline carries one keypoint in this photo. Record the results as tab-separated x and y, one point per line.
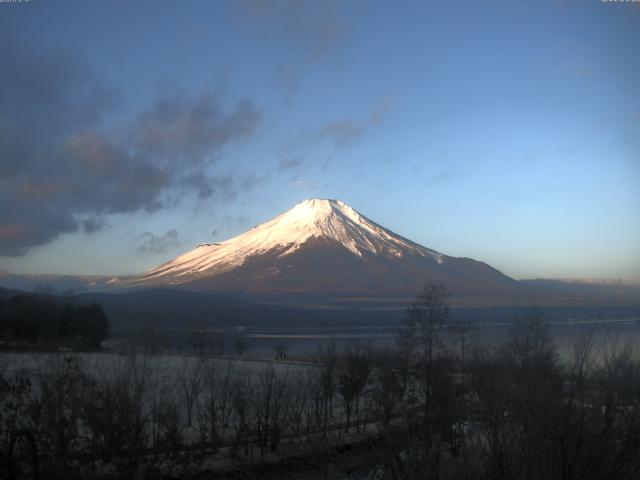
49	321
434	406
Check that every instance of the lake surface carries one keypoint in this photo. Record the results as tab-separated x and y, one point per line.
621	333
302	340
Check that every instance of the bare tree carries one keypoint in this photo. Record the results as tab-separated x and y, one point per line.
119	414
241	401
391	378
316	409
327	359
270	408
301	385
353	377
190	384
460	331
215	408
423	338
58	409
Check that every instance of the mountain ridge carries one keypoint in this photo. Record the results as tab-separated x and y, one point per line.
321	246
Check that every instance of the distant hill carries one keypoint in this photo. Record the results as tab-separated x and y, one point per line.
54	283
606	290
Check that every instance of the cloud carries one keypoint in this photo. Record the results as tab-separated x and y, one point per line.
289	163
315	27
381	111
62	170
221	186
312	30
438	178
340	133
234	223
304	184
22	229
179	128
150	243
92	224
289	77
346	131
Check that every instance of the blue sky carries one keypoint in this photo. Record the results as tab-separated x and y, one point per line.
504	131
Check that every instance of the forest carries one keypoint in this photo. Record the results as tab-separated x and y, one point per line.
48	322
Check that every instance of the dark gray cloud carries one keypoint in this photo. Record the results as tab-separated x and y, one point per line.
92	224
150	243
221	186
62	170
180	128
23	227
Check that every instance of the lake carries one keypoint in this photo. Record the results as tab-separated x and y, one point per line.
302	340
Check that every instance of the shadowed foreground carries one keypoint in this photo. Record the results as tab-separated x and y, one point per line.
434	406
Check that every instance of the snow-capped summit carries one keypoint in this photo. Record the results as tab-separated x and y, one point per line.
318	246
333	219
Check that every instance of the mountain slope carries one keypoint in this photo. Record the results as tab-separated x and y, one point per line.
322	247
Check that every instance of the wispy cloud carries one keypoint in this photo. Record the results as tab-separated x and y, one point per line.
315	27
438	178
289	163
150	243
313	31
346	131
339	134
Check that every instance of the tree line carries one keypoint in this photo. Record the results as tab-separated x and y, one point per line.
44	321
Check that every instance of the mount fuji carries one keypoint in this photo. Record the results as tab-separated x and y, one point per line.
321	247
